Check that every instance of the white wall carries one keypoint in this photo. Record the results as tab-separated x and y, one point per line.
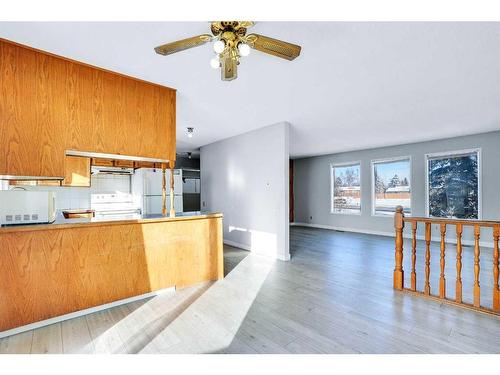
246	178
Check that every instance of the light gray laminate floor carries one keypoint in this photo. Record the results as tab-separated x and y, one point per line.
334	296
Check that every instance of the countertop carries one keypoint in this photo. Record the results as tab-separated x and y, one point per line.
61	222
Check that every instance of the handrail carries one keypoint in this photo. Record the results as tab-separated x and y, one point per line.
438	220
399	223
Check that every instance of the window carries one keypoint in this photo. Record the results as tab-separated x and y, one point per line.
346	188
454	185
391	181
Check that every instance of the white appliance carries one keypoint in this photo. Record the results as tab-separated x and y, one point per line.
191	186
27	207
147	190
153	181
95	170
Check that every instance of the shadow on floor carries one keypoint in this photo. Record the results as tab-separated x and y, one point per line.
153	328
232	257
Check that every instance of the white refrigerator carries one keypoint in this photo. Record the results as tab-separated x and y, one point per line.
147	190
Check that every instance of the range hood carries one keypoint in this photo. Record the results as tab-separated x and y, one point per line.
111	170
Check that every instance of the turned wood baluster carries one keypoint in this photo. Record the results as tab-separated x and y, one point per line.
172	208
163	190
496	288
427	288
413	255
442	280
458	287
398	270
477	289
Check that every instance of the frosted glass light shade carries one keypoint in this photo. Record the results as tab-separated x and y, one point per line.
219	46
215	63
243	49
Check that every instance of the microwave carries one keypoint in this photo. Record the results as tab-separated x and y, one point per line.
27	207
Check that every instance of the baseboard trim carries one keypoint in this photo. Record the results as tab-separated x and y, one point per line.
248	248
76	314
237	244
388	234
343	229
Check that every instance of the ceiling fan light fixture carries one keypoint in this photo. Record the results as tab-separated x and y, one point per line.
219	46
189	132
215	62
243	49
230	43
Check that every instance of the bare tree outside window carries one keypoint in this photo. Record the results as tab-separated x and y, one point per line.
346	189
391	179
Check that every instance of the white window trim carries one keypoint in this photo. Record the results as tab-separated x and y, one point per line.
388	160
479	177
337	165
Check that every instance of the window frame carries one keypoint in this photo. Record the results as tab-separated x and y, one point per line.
443	155
388	160
332	183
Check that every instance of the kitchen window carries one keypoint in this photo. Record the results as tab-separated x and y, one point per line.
453	186
345	188
391	186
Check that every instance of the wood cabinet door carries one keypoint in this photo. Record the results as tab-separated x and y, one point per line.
144	164
77	171
101	162
32	112
124	163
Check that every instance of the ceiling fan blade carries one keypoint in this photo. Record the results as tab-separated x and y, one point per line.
245	24
181	45
272	46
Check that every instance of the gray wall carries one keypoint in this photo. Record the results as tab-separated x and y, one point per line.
312	183
246	178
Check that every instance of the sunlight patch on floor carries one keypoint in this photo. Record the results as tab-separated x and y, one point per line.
205	327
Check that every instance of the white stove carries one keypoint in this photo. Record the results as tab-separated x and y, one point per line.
113	204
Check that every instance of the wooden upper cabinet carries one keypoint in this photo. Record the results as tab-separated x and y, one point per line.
113	114
32	113
145	164
101	162
50	104
124	163
77	172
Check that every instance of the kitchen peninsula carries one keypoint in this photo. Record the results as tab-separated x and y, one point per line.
48	271
79	116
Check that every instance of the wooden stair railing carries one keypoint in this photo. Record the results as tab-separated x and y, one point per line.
399	223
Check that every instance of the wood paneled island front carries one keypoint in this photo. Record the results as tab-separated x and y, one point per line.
47	271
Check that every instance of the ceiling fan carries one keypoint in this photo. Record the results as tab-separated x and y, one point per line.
230	43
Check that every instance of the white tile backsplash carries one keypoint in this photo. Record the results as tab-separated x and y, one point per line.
111	192
110	184
80	197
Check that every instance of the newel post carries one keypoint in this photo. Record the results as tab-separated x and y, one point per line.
398	226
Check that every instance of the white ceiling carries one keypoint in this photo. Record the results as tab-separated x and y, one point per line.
355	85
